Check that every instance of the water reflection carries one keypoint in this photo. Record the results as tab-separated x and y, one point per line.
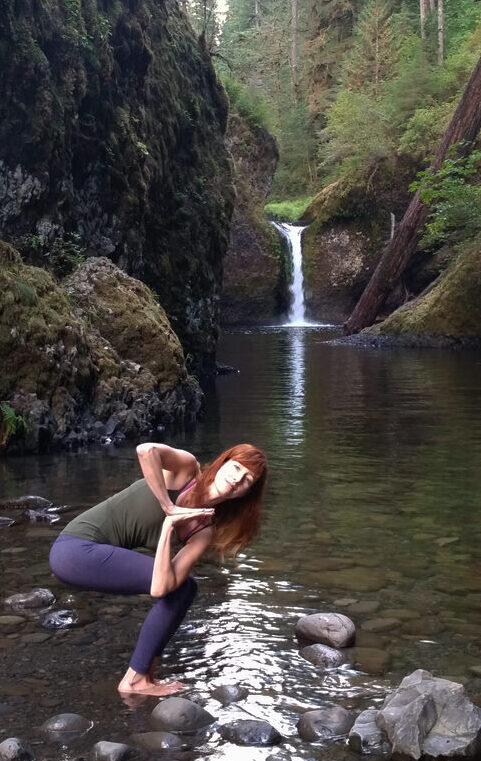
296	403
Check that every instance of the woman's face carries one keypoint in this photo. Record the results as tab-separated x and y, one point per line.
232	480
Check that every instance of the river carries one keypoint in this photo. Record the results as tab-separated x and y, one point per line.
373	497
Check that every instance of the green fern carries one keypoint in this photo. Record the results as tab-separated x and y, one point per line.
10	423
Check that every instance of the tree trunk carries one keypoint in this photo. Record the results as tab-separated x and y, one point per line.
464	125
293	61
440	32
432	6
422	16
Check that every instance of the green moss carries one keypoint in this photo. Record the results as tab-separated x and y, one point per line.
450	307
288	211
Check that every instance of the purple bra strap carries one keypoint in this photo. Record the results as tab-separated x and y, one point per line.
187	486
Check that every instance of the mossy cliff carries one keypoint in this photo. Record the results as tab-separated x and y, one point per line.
91	358
448	312
350	221
111	130
255	267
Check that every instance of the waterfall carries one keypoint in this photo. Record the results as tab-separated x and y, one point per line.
292	234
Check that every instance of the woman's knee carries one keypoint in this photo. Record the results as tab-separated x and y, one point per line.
189	587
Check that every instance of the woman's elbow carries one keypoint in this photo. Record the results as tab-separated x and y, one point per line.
161	591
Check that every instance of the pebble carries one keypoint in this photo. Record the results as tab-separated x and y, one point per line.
323	655
230	693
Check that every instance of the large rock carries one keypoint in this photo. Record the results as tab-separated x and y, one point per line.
256	269
325	723
180	715
365	734
332	629
432	717
111	140
36	598
15	749
322	655
66	727
93	360
250	732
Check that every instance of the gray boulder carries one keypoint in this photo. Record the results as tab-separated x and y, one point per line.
157	741
180	715
66	727
36	598
325	723
333	629
15	749
323	655
230	693
365	734
432	717
250	732
107	751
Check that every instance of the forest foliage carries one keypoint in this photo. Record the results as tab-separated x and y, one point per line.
346	85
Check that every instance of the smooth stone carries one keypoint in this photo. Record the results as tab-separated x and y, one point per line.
365	734
250	732
323	655
180	715
357	579
429	716
423	627
230	693
403	614
35	638
156	741
369	659
333	629
30	501
107	751
66	726
365	606
343	602
15	749
11	620
380	624
60	619
36	598
325	723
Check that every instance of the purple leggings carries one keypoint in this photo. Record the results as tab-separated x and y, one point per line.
104	568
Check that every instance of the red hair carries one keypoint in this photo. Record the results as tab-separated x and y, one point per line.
236	521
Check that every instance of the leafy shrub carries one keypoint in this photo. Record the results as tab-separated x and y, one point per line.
246	103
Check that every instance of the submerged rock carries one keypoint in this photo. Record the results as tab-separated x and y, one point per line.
180	715
325	723
250	732
107	751
66	727
60	619
30	502
322	655
157	741
433	717
15	749
36	598
230	693
332	629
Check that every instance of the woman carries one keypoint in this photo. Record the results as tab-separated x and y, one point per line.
218	507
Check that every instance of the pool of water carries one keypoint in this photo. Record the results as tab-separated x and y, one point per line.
372	509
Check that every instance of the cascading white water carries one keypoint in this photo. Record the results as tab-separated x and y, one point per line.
292	234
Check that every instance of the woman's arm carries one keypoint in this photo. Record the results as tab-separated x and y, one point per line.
169	573
166	468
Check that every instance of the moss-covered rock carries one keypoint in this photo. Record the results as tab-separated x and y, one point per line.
95	358
111	130
447	312
255	266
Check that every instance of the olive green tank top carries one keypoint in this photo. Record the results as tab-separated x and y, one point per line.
132	518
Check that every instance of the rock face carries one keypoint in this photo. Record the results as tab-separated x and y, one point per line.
332	629
96	358
447	313
255	266
111	134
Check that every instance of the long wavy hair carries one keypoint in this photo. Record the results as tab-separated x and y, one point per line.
237	520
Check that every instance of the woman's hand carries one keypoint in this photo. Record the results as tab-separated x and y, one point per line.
180	514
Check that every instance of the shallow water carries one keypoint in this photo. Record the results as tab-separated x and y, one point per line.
373	495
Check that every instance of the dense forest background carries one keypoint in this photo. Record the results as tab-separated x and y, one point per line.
349	87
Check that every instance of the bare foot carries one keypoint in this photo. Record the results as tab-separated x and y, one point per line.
142	684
